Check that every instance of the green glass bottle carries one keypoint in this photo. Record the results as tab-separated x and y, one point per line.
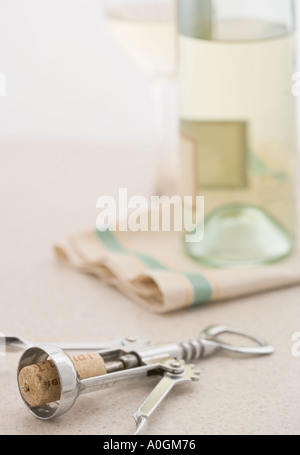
237	121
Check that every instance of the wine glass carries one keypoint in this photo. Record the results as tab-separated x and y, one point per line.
145	31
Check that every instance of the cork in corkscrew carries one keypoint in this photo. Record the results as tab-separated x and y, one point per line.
49	379
40	383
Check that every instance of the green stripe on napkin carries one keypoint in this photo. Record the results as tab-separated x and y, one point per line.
201	287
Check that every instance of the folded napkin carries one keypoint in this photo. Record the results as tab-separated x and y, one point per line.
153	269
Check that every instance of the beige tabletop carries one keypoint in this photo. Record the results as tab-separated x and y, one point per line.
47	191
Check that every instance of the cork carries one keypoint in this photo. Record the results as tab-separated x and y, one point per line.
39	383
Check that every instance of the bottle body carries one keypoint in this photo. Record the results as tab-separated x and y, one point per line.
237	128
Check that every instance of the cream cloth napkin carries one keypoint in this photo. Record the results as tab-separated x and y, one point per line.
153	269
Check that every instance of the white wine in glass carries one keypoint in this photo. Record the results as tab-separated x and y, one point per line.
145	30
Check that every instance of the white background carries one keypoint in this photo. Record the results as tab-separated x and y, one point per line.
66	78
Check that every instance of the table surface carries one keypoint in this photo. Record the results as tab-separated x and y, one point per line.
50	190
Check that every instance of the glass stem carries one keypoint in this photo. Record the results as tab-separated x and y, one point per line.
164	104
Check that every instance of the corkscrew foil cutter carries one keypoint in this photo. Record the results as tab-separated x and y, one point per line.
50	380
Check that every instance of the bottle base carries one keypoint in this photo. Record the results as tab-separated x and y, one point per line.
240	236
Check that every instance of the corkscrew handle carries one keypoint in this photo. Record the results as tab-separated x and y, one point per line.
211	344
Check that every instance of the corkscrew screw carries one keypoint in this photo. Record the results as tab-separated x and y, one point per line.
50	381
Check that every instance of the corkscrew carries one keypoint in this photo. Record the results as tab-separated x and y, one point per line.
50	381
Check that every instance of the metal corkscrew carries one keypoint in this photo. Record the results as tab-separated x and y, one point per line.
50	380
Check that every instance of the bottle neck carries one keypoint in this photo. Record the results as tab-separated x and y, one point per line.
236	20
